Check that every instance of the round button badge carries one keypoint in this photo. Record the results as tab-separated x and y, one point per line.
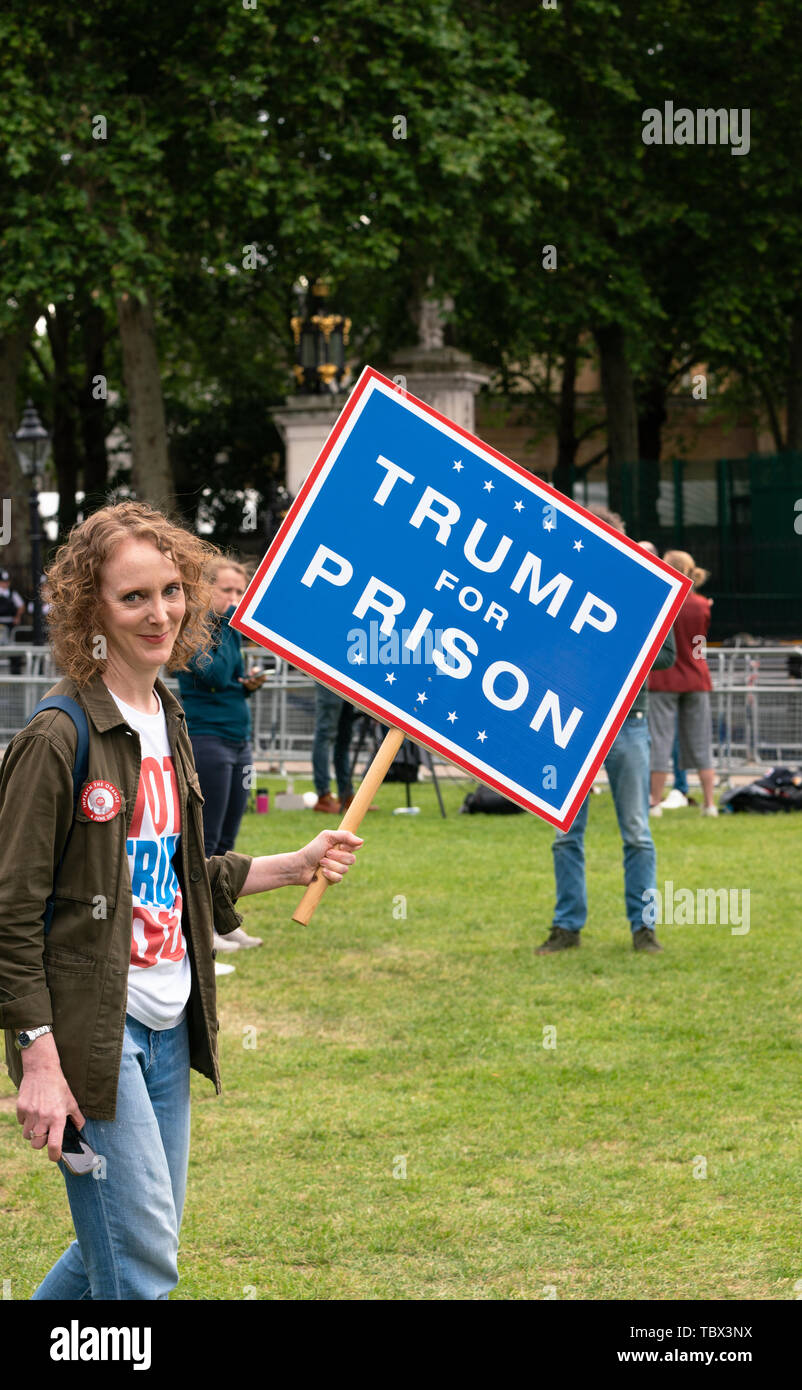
100	800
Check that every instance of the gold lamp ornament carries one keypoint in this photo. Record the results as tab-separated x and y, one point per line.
320	337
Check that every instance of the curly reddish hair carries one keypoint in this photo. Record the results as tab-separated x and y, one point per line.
74	580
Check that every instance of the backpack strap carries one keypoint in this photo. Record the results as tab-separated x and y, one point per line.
79	775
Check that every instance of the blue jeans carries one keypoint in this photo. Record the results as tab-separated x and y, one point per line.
127	1218
627	765
222	770
334	722
680	775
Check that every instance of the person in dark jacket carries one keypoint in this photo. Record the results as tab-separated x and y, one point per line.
214	692
12	607
12	611
105	1014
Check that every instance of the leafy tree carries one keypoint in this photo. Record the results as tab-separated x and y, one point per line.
666	255
170	173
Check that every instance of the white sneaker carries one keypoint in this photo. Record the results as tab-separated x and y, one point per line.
224	943
223	969
710	810
655	810
243	938
674	800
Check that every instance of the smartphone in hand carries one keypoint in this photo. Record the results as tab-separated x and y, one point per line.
78	1156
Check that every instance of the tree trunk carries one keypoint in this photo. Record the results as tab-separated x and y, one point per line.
775	424
794	393
622	420
651	418
92	410
563	475
150	465
15	547
65	444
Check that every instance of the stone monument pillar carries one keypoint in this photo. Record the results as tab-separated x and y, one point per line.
305	423
444	377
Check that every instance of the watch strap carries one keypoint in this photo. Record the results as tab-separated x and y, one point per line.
33	1033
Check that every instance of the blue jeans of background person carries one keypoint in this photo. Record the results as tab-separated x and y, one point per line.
680	775
127	1219
222	769
334	721
627	765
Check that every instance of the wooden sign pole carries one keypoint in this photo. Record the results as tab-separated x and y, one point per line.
352	819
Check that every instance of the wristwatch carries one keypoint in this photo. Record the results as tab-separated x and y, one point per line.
29	1035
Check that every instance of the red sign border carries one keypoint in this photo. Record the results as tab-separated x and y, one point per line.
368	375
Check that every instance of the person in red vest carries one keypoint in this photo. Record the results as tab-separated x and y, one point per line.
683	692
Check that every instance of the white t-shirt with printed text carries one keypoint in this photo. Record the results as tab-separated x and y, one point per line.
159	975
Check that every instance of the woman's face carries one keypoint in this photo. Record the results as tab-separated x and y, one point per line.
229	586
142	607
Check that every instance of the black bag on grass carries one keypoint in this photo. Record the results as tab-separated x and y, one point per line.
779	790
492	803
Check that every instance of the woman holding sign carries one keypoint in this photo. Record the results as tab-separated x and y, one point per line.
106	1012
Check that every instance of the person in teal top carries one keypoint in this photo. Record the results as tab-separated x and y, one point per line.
214	689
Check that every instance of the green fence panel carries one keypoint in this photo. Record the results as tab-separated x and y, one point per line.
737	517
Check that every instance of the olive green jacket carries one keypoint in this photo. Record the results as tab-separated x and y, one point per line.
77	978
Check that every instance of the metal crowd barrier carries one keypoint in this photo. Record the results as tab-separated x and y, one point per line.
756	705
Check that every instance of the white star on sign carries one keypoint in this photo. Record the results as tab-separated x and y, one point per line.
481	736
451	718
422	696
358	659
548	525
389	679
577	545
519	506
488	487
458	465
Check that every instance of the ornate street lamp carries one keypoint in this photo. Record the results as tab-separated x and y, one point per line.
32	444
320	338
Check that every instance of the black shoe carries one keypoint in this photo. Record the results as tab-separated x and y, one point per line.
558	939
644	939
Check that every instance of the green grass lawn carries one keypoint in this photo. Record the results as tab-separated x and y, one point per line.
393	1126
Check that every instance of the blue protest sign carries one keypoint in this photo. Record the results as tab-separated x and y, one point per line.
436	584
